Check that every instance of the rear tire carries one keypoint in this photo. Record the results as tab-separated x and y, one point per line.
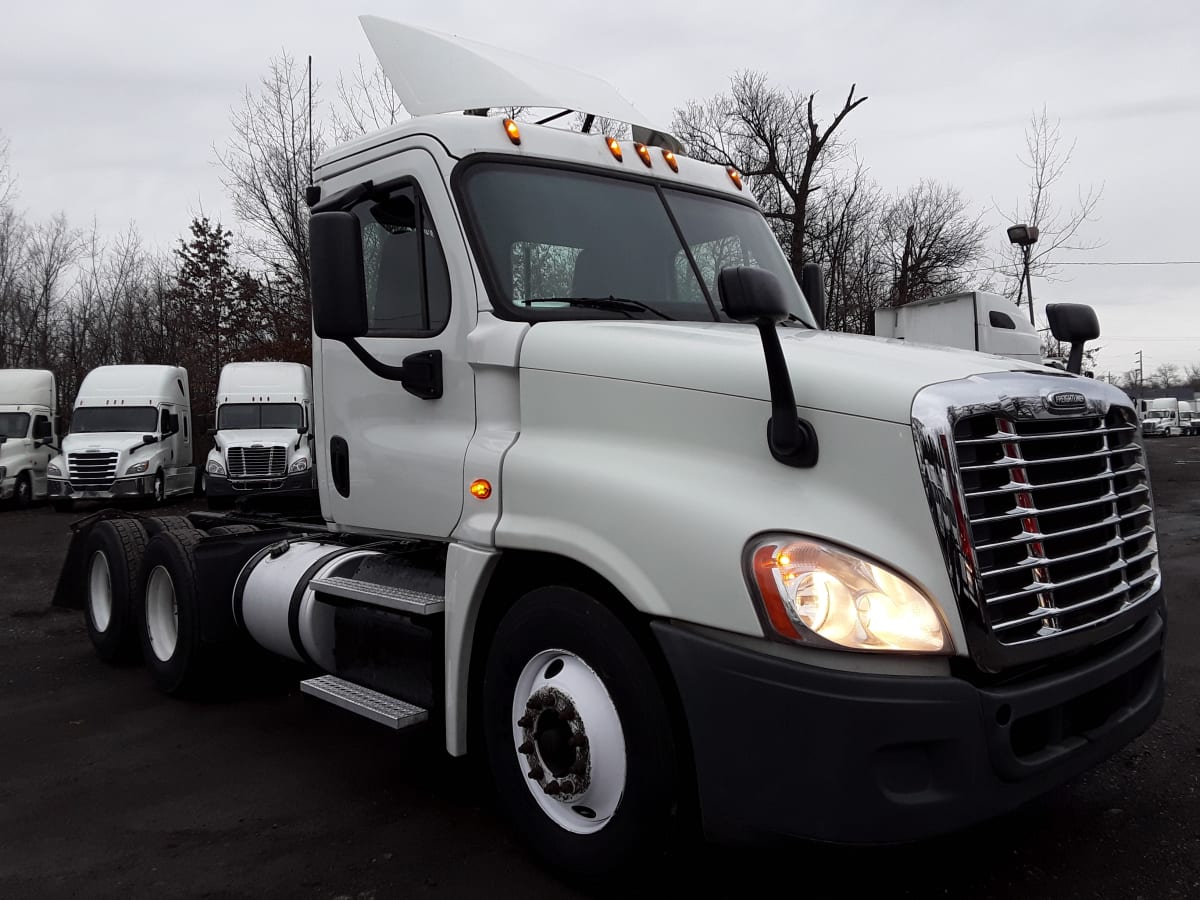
169	620
179	525
112	587
608	737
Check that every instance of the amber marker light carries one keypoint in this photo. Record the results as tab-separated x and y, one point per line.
643	153
614	148
671	160
514	133
481	489
735	176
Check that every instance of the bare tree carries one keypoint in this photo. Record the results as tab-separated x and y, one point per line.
1191	376
1165	376
773	138
931	238
366	103
1047	160
267	167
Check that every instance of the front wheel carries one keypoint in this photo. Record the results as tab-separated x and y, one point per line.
160	489
578	734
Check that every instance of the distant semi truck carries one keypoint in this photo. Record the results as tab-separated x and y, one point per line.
27	433
130	437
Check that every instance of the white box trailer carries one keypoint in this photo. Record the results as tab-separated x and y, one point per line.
28	433
635	528
263	440
987	323
130	437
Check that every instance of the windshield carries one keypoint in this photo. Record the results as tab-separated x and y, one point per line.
14	424
549	236
259	415
137	419
1159	414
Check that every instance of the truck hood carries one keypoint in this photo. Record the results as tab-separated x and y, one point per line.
102	440
268	437
863	376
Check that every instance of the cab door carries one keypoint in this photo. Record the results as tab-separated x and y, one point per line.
41	454
390	460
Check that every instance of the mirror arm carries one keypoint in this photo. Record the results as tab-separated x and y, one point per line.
792	440
420	375
1075	361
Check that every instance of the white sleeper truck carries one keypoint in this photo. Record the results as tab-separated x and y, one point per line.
28	422
130	438
1162	418
604	505
262	443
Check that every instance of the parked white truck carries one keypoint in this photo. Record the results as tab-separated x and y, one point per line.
1187	418
602	504
130	437
263	437
28	422
1161	418
973	320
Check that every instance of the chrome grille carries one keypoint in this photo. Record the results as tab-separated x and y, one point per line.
92	470
1044	513
256	462
1060	520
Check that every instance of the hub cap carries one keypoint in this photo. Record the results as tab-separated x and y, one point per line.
569	741
160	490
99	591
162	614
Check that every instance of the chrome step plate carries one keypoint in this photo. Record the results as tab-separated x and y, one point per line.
365	702
397	598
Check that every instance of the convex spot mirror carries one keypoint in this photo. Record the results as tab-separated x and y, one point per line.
339	293
749	294
1073	323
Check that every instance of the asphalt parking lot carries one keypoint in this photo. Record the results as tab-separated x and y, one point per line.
108	789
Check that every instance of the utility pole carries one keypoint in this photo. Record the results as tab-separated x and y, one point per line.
1141	390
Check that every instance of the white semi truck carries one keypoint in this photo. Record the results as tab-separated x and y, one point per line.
28	424
634	530
1162	418
130	438
262	443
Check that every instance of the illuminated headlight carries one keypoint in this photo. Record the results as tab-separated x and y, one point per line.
299	465
816	593
51	469
138	468
214	468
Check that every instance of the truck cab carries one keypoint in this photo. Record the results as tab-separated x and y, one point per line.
1187	418
603	503
973	320
1162	418
263	440
28	433
130	438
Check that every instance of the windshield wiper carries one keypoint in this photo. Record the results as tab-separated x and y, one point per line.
616	304
792	317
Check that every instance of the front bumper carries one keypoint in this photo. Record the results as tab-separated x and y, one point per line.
786	749
297	483
135	486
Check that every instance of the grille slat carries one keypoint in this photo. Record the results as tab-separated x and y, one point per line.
1048	499
93	469
257	462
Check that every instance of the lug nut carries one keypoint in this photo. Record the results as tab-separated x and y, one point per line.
526	747
578	740
536	773
524	721
553	788
568	787
567	713
534	702
578	767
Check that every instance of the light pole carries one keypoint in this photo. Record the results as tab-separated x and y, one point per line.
1025	236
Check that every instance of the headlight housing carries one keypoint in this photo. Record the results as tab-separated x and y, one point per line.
820	594
214	468
51	469
138	468
300	465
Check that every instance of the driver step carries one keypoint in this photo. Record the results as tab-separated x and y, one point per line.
365	702
399	599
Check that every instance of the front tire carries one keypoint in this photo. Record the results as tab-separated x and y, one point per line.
160	490
23	492
113	556
578	735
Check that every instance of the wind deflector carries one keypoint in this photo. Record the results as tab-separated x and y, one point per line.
433	73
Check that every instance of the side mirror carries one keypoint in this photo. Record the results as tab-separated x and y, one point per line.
755	295
1073	323
812	283
148	439
339	291
212	432
751	295
303	429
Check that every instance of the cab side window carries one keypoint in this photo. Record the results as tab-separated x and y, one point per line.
408	284
41	428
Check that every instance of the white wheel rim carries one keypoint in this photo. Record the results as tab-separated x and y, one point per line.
160	489
99	591
581	787
162	614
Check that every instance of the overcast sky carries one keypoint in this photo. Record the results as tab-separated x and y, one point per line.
112	109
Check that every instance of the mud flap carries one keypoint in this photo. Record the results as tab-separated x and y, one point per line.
68	593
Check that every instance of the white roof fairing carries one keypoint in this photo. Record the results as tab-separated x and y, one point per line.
432	72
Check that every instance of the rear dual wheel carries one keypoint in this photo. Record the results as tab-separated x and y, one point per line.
113	555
